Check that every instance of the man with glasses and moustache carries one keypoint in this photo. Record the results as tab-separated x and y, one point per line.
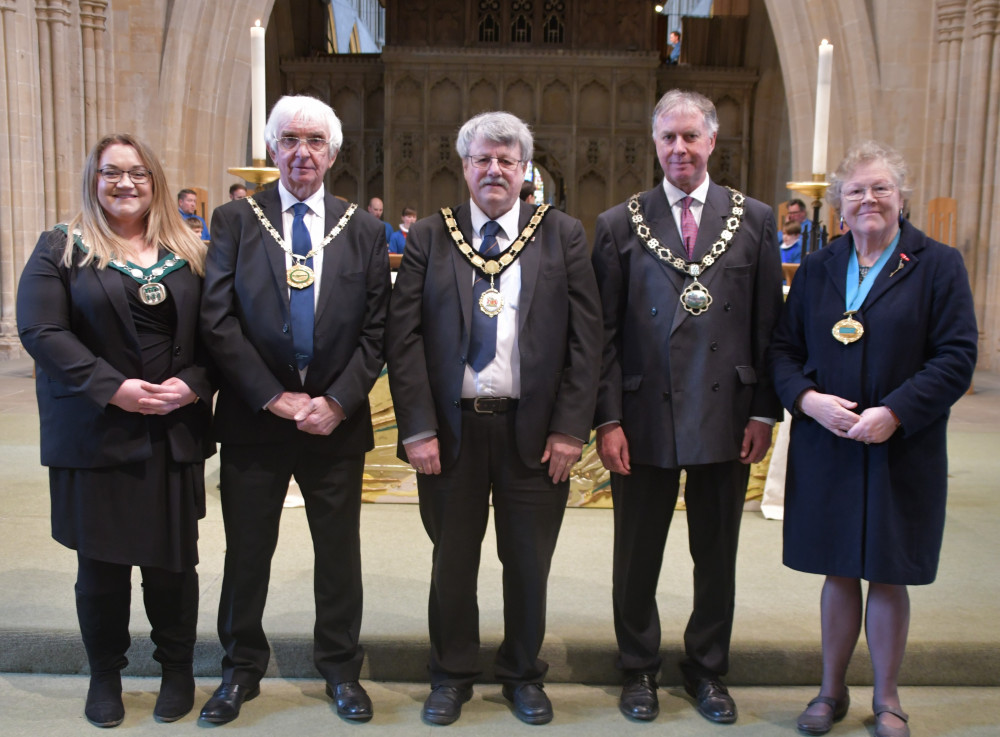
293	310
493	345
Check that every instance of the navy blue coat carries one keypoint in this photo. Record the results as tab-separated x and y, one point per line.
874	511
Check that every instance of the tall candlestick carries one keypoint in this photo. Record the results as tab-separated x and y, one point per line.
258	101
821	134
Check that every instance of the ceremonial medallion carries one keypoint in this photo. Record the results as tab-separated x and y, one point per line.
300	276
491	302
695	298
848	330
152	293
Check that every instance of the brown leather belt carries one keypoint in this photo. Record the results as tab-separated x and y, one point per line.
490	405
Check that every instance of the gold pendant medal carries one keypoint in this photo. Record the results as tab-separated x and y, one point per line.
491	301
848	330
300	276
152	293
695	297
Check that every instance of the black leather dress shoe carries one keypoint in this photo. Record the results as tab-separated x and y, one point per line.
713	700
531	705
224	706
638	699
444	704
352	701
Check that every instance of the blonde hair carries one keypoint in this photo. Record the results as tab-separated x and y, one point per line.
163	223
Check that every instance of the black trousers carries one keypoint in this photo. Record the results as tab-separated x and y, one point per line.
254	480
528	511
644	505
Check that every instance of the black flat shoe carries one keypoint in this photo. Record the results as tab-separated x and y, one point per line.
224	706
444	704
818	724
531	705
352	701
176	697
712	699
104	700
638	699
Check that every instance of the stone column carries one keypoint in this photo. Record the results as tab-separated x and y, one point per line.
950	25
58	110
93	18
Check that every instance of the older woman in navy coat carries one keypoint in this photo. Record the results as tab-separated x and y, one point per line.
877	341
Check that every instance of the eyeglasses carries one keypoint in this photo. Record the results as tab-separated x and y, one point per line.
112	175
879	191
292	143
483	162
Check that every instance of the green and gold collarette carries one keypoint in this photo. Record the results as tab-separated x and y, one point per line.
695	297
493	266
151	291
300	275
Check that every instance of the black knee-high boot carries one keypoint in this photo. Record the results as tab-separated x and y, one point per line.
173	614
104	627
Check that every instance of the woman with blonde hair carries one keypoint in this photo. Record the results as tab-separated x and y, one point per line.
108	308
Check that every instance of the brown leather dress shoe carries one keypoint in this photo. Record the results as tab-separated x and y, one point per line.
638	699
817	724
352	701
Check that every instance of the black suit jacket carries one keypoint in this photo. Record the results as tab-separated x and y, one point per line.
246	324
684	386
76	323
427	339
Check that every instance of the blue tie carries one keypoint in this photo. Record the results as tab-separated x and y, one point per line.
483	338
302	301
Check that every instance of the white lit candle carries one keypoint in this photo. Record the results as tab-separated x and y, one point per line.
258	101
821	134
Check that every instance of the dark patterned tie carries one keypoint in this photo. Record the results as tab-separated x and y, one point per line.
302	301
483	339
689	228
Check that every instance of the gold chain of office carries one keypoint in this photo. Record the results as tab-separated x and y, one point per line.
695	298
492	267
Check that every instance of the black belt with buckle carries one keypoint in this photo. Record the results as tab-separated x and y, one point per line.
490	405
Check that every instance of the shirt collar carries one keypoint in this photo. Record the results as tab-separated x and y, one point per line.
675	195
508	221
315	201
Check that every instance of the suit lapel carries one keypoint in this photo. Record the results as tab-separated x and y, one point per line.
270	204
111	281
461	267
886	279
332	254
660	219
836	268
530	259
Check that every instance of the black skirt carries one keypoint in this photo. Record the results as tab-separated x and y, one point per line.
143	513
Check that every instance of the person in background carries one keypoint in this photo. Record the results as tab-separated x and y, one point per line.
375	209
876	342
675	48
237	191
108	308
528	192
187	205
791	243
398	241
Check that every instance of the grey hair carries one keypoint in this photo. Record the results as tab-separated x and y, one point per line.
303	110
498	127
869	152
686	101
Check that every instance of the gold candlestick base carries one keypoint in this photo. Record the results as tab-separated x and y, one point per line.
813	190
258	173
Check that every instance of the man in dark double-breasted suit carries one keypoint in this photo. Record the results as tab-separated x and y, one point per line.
683	386
296	290
493	347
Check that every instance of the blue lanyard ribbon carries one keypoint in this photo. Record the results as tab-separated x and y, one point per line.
856	292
